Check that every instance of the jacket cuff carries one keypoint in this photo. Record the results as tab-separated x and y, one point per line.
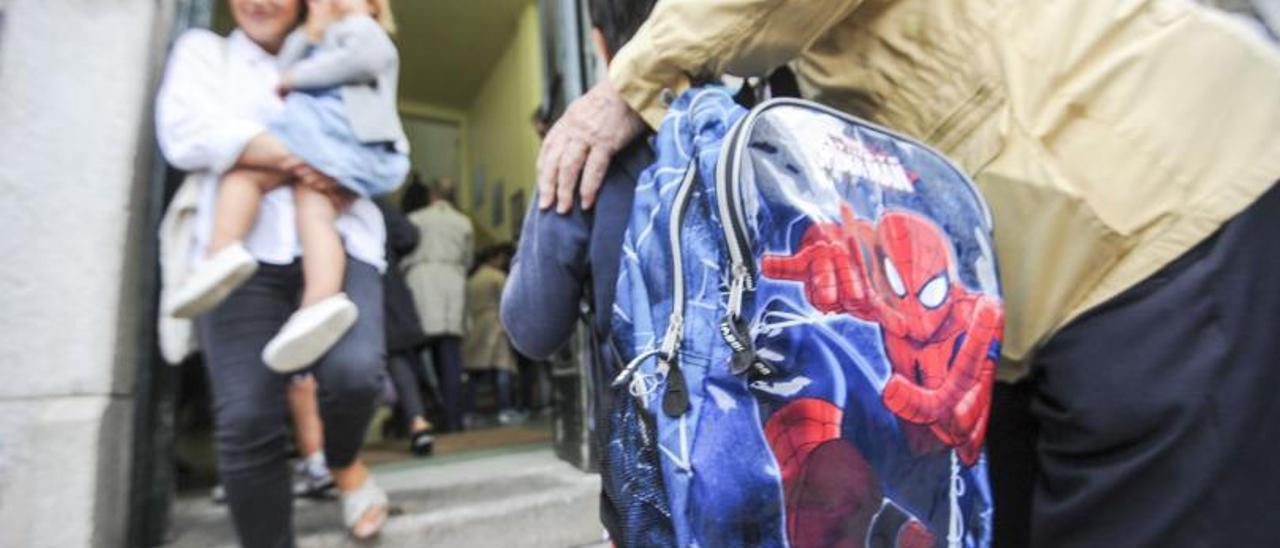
648	89
308	77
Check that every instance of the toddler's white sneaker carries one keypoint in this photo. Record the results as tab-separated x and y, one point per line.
309	333
214	278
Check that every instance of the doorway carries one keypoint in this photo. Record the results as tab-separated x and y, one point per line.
455	122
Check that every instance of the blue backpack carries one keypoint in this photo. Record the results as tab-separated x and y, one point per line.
808	309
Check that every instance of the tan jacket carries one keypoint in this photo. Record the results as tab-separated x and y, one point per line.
1108	136
436	270
486	345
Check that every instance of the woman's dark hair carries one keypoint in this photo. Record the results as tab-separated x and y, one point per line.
618	20
415	194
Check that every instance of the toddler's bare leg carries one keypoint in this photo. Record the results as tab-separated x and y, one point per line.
303	407
239	196
324	261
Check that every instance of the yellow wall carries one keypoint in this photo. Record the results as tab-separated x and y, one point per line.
498	133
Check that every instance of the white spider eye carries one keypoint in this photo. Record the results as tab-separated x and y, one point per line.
895	279
934	292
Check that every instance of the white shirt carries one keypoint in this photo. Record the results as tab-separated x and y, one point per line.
216	95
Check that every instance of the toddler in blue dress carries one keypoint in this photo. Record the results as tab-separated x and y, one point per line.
338	81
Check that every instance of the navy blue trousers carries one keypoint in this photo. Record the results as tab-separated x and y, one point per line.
446	353
1153	420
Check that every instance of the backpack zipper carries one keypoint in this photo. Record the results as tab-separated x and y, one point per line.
733	221
733	327
675	397
736	144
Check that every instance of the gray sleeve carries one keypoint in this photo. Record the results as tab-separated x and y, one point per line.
357	53
294	48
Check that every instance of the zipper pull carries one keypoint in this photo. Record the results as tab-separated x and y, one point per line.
671	340
737	334
675	398
733	328
737	288
631	368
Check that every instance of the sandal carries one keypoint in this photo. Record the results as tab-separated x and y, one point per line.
356	505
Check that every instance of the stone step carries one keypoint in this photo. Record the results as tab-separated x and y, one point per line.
528	498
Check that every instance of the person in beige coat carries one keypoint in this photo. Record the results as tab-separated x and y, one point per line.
436	272
486	350
1129	152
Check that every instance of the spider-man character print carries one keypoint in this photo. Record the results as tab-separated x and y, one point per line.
941	338
833	497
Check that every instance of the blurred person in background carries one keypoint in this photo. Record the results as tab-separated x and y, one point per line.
486	349
1129	153
416	196
405	338
311	476
217	98
437	275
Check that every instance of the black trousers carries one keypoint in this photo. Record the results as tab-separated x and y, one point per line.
1153	420
249	406
408	376
446	353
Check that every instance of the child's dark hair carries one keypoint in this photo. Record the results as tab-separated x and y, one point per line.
487	254
618	20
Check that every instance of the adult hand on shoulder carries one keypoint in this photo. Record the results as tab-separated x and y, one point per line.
594	128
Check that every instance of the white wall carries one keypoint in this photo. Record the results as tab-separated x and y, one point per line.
75	142
435	148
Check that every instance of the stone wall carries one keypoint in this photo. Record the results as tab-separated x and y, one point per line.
76	79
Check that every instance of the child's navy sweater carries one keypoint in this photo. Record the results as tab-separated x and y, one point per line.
559	254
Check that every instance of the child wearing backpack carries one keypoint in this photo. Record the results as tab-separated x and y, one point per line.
561	258
339	83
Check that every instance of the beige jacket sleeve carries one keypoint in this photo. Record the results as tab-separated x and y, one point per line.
693	39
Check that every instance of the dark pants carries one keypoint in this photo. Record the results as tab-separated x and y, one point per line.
446	352
501	382
407	374
535	385
1153	420
250	411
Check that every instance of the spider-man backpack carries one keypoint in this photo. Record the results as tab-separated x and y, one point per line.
809	313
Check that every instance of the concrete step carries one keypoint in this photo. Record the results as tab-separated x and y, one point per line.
528	498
